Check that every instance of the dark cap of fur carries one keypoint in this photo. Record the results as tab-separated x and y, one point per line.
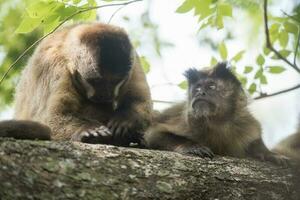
115	52
221	70
112	47
192	75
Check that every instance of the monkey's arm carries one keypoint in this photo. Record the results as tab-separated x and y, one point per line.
134	111
160	137
258	150
65	118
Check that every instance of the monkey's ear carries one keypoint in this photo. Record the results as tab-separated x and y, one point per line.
192	75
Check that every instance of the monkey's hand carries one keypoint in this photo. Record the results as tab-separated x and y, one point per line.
125	130
274	158
195	150
98	135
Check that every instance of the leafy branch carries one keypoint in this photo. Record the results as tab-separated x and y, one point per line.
59	25
279	55
269	44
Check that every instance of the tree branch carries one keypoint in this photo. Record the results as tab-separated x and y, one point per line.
297	47
59	25
277	93
115	12
268	41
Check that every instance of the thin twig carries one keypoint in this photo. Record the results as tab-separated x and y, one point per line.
59	25
290	16
269	45
160	101
297	47
115	12
277	93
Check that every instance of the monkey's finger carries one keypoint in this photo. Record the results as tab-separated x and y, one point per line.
111	123
207	152
94	133
101	133
85	134
104	131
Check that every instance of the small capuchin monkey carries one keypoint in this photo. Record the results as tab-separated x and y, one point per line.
85	82
290	146
213	120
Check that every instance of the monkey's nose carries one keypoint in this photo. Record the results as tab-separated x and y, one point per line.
201	92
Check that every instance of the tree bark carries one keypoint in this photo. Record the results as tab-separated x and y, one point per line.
65	170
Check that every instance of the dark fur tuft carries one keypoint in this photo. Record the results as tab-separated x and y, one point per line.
222	70
191	75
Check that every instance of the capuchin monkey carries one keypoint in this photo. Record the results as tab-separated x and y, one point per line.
213	120
85	82
290	146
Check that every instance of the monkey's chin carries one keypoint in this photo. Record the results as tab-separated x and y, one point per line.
202	108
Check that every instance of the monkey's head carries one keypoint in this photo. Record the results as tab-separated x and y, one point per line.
214	92
103	57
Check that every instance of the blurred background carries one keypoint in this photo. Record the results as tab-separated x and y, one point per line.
170	40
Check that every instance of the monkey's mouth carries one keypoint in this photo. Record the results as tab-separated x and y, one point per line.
199	102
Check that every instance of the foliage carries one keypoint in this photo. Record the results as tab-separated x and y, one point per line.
39	17
284	34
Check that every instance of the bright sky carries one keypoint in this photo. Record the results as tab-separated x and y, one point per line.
277	114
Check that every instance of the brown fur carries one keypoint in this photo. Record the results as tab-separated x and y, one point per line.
219	125
290	146
19	129
47	91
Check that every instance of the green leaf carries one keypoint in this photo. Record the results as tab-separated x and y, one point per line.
276	69
248	69
258	74
92	2
274	28
183	85
243	80
285	53
40	9
213	61
283	38
203	9
28	24
223	50
291	28
187	6
252	88
263	79
50	23
219	22
225	9
76	1
145	64
266	51
89	15
260	60
238	56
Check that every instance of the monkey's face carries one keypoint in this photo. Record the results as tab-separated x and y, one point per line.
212	92
103	60
100	89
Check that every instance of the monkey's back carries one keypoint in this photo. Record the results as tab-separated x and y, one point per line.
46	92
39	77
